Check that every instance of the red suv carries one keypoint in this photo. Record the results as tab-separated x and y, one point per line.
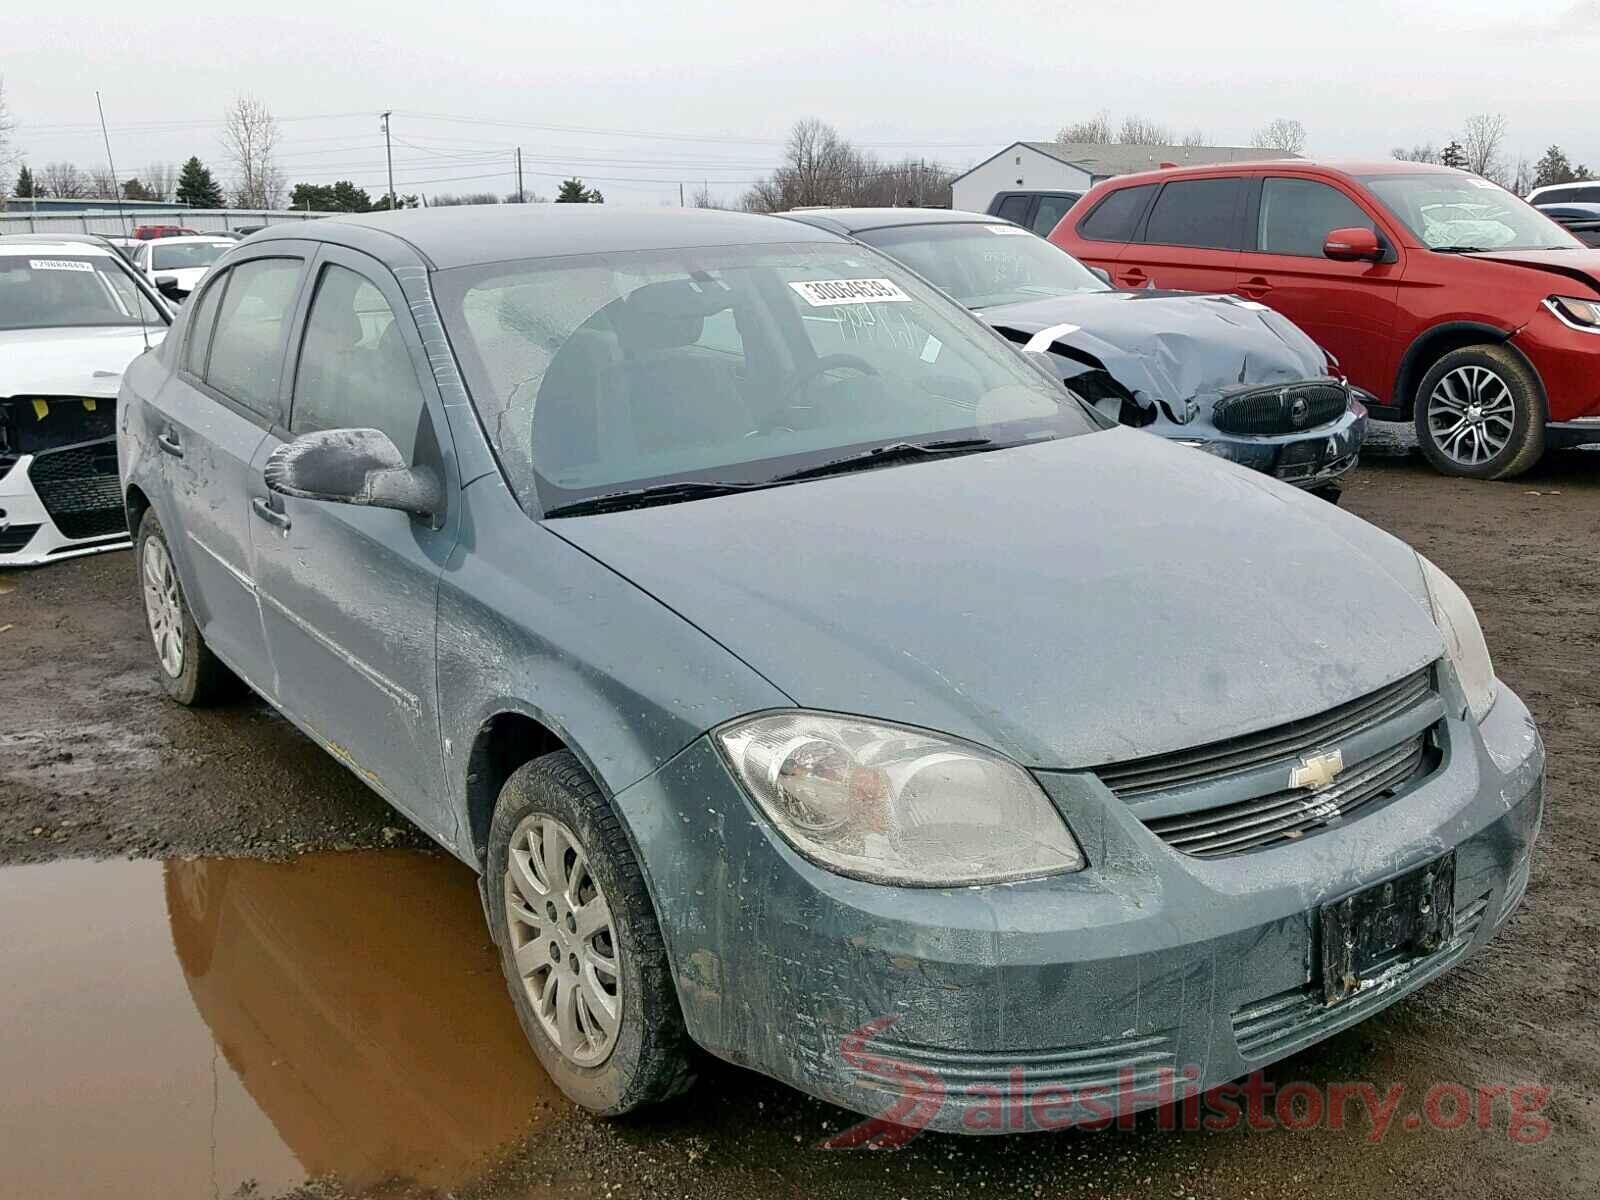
1452	302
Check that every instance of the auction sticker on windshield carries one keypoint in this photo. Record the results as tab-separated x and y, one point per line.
823	293
58	264
1009	230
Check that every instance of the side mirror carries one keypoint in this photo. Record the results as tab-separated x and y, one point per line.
1100	273
167	285
1352	245
353	466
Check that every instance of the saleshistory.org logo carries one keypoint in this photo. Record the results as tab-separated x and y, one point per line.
918	1096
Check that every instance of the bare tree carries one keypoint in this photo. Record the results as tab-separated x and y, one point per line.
159	179
821	167
8	146
102	183
1522	178
1096	131
1482	138
1423	152
701	197
249	137
1280	133
1195	137
63	180
1141	131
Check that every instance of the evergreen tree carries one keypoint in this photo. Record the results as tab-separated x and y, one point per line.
1454	156
573	192
196	187
25	185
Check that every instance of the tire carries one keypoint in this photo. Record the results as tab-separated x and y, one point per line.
189	672
648	1056
1480	414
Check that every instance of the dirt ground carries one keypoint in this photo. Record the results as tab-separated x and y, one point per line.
95	764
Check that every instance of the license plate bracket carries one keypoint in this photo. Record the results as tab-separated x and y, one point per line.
1370	931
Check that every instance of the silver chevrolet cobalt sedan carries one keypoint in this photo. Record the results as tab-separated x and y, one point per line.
810	677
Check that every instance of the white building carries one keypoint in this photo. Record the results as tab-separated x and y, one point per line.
1078	166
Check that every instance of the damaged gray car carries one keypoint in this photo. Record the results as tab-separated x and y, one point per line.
808	677
1224	375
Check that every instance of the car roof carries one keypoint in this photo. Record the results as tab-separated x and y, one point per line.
464	235
1281	166
72	243
857	220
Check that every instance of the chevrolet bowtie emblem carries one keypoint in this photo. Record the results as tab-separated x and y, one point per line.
1317	771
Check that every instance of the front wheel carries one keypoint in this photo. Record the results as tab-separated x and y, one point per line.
1480	414
579	944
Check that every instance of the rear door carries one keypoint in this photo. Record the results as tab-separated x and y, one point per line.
208	422
1346	307
1190	239
349	593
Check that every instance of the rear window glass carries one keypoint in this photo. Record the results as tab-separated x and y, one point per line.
1116	217
1197	212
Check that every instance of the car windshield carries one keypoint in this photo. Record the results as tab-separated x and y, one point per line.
986	264
176	256
50	290
596	374
1465	213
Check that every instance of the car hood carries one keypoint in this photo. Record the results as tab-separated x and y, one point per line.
187	278
1582	265
69	362
1175	351
1069	603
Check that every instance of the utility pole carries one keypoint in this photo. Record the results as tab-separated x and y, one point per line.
388	154
520	199
680	193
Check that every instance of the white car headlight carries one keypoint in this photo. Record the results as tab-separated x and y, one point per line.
896	805
1463	638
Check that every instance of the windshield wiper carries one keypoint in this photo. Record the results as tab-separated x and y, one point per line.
1460	249
893	452
659	493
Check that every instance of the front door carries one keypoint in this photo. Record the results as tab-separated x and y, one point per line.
1348	308
349	593
208	422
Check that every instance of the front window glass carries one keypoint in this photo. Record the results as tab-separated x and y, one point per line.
177	256
982	265
1465	213
599	373
45	290
1297	215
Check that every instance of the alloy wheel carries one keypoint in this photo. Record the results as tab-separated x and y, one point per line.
163	606
1471	415
563	940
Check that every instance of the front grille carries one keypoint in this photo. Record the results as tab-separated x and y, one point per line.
1292	812
1271	411
78	488
1186	768
1132	1061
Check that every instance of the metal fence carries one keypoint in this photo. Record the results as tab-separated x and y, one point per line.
110	222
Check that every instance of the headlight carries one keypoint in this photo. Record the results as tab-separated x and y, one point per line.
1463	638
897	805
1583	313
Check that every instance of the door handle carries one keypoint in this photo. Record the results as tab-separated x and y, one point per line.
1135	278
1255	287
168	441
263	509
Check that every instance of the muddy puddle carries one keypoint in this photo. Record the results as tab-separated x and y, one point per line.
192	1028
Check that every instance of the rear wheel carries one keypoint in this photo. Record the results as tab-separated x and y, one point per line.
1480	413
579	944
188	671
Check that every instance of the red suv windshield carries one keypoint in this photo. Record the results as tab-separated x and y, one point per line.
1465	213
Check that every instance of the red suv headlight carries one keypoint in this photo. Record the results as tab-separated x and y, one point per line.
1583	314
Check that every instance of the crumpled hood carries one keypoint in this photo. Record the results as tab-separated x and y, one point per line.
1069	603
69	362
1178	350
1580	265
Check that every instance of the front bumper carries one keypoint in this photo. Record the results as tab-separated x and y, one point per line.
88	504
1149	965
1312	458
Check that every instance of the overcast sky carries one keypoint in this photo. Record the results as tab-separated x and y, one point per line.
668	91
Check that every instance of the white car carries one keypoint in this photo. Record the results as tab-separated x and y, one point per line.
73	315
176	264
1584	191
